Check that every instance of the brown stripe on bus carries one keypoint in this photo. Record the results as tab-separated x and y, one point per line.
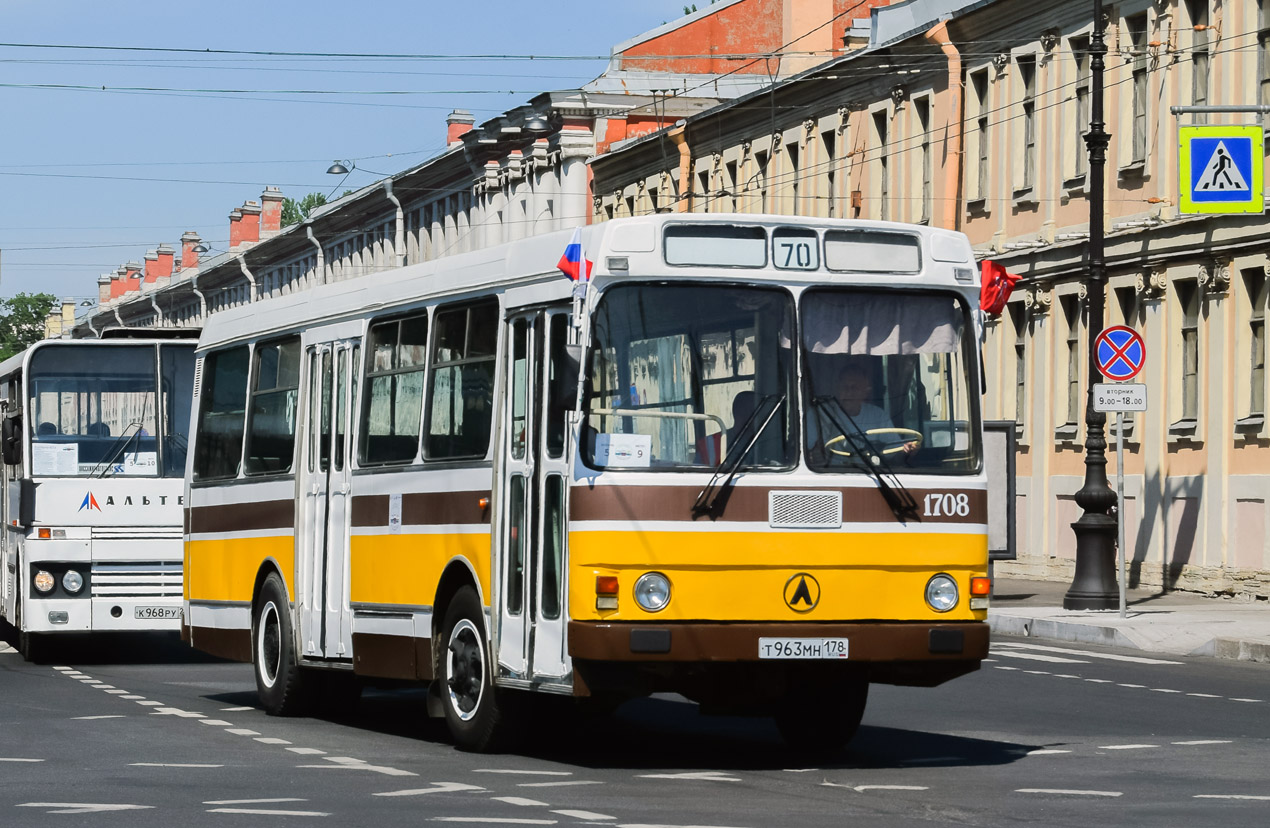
243	517
749	503
424	509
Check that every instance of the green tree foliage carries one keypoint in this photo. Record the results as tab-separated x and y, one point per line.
294	212
22	321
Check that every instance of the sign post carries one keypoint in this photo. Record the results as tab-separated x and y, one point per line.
1121	353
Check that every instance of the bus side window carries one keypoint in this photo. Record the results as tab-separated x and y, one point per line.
221	414
460	413
276	389
393	406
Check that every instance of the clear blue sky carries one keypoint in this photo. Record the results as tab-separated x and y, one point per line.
213	150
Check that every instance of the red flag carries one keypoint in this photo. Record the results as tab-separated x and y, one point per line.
995	288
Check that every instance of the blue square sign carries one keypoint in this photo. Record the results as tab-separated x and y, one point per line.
1221	169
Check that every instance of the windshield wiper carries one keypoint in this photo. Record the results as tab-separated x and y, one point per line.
897	497
711	500
117	450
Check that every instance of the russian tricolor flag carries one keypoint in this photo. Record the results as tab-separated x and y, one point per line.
571	263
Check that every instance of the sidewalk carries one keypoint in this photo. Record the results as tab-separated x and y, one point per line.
1174	623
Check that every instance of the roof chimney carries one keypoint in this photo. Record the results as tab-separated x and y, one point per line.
459	122
132	277
189	256
151	272
244	225
103	289
163	269
271	212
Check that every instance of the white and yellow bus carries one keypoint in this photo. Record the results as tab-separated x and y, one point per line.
742	463
94	443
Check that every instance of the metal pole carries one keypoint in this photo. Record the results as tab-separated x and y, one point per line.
1094	583
1120	504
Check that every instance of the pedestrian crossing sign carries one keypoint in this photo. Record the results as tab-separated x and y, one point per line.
1221	169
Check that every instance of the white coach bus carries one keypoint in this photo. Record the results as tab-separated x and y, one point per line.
94	443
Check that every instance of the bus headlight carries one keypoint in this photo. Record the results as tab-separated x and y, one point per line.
941	593
652	591
72	581
44	581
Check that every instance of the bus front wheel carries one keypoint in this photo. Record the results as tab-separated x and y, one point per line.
823	719
283	686
474	710
31	646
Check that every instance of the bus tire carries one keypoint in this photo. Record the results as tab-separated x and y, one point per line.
474	710
823	720
31	646
283	686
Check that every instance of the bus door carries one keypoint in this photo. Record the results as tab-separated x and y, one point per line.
322	564
530	564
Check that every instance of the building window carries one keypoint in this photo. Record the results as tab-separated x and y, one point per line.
829	140
791	152
1071	315
921	109
979	80
1255	282
760	177
1018	320
883	174
1137	27
1198	10
1188	299
1080	50
1027	77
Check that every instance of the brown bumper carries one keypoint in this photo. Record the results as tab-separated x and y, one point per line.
717	642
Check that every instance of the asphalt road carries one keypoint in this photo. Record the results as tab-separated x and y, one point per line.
146	733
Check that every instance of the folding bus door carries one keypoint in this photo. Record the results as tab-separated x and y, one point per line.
530	559
325	482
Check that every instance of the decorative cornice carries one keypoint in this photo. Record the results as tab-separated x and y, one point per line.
1038	301
1214	277
1152	284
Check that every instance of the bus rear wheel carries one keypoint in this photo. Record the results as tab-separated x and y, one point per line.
823	719
474	710
283	686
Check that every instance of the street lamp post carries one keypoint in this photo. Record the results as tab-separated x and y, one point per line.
1094	583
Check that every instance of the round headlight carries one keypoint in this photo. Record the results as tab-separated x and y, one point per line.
941	593
72	581
43	581
652	591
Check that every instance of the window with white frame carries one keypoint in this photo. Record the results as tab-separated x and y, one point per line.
1188	305
1018	324
1137	27
1071	317
1255	290
925	167
979	80
1080	53
882	174
1027	84
829	148
1198	11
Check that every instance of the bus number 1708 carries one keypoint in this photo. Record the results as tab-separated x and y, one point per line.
947	505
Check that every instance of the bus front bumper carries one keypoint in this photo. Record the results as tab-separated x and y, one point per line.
82	615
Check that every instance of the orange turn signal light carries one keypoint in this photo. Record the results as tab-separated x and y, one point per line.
980	586
483	503
605	584
45	533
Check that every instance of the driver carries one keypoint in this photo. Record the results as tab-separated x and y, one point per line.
855	389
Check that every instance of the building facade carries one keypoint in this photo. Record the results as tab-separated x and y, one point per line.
971	115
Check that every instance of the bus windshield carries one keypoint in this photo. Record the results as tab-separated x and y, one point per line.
110	410
682	374
888	382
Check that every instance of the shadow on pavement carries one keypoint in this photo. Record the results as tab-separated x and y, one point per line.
112	648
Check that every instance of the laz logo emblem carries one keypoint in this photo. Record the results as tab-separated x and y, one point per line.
802	592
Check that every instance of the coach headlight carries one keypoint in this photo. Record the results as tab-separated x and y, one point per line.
44	582
72	581
941	593
652	591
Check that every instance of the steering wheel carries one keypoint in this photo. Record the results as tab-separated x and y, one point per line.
913	437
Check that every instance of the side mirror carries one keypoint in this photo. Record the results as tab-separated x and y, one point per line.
11	440
564	385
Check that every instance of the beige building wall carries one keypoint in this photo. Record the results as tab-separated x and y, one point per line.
1197	463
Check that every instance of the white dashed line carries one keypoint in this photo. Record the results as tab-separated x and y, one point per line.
524	772
1233	796
93	718
519	800
1203	695
133	698
1065	675
497	820
149	703
1254	701
170	765
1065	792
18	759
1126	747
1085	653
270	740
349	763
1133	686
1162	690
307	751
437	787
1206	742
1046	752
101	686
863	788
266	812
1037	672
584	815
242	731
118	693
215	722
253	801
1049	658
999	667
176	711
560	784
1100	681
696	776
235	709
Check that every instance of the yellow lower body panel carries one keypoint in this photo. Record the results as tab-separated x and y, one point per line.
751	576
406	569
224	569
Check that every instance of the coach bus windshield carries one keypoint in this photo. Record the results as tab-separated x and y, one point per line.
888	382
110	411
681	375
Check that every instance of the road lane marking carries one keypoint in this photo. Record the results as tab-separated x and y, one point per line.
1066	792
270	740
254	801
1040	657
266	812
117	693
176	711
1203	695
94	718
216	722
1100	681
1125	747
437	787
1046	752
999	667
1085	653
101	686
1133	686
525	772
1163	690
133	698
1037	672
242	731
1254	701
349	763
497	820
559	784
235	709
307	751
83	807
1233	796
583	814
1065	675
171	765
645	825
519	800
1206	742
698	776
863	788
149	703
18	759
